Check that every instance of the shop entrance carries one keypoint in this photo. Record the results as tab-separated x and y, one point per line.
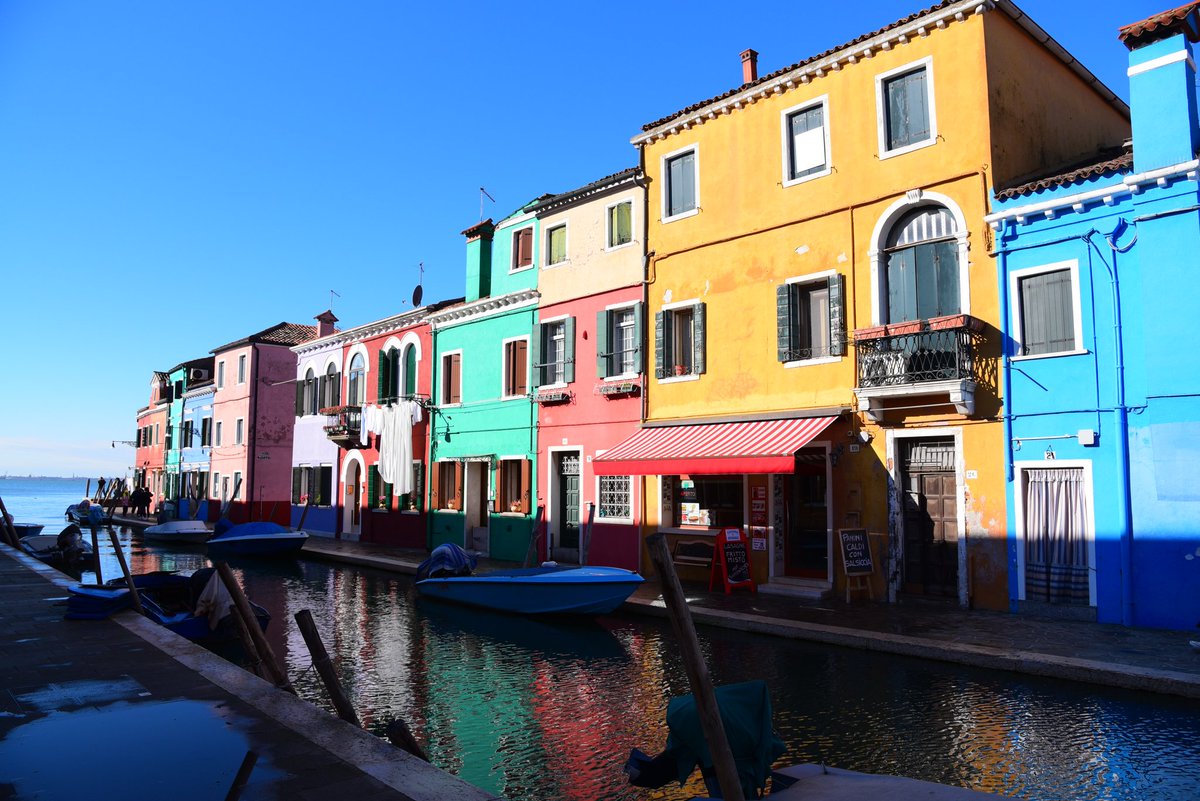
930	497
566	508
806	518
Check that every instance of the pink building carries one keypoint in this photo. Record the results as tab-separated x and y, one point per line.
253	416
152	420
591	319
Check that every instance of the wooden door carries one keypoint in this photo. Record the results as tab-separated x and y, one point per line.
931	534
567	508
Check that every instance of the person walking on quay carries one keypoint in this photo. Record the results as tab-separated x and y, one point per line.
100	487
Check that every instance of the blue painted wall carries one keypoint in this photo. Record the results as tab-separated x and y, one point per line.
196	457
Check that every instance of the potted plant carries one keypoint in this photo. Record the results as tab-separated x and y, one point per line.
680	369
514	506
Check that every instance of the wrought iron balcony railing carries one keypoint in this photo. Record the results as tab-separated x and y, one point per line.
945	354
343	423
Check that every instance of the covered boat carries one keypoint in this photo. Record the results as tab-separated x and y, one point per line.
195	606
186	531
86	513
67	550
254	539
548	589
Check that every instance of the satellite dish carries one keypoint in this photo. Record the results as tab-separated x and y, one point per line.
416	299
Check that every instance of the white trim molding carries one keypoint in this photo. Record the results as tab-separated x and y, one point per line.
1014	299
1162	61
821	101
665	193
881	80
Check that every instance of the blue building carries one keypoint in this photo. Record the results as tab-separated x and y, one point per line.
1097	267
195	448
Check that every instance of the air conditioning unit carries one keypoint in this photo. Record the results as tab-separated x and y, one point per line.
198	374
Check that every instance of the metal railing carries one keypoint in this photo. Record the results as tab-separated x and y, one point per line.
343	421
919	357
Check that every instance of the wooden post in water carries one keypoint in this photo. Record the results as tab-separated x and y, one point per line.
399	735
697	670
133	593
277	673
87	490
242	777
256	662
96	555
321	661
10	533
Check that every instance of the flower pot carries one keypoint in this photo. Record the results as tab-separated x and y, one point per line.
680	370
956	321
906	327
874	332
514	507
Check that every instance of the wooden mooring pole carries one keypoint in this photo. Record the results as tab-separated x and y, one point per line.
133	593
324	666
10	533
277	673
252	655
697	670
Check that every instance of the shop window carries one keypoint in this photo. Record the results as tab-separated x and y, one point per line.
704	501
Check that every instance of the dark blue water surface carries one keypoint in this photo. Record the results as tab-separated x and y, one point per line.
531	709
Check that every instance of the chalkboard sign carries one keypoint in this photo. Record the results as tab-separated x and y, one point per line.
731	567
856	551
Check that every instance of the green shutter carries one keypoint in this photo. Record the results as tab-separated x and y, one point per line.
337	389
569	350
603	345
418	493
661	341
372	487
296	484
783	322
698	328
299	398
837	316
537	377
380	382
325	493
638	366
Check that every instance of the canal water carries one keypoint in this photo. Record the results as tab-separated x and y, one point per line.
531	709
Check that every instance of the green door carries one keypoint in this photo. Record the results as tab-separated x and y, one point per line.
567	511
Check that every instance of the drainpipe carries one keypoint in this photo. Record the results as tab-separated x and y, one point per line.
251	429
1014	591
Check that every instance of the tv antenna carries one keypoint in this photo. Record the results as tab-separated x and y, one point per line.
482	194
416	296
332	295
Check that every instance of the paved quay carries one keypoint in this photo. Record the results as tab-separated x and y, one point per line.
131	710
1149	660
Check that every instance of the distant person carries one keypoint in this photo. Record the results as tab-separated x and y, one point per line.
100	487
126	500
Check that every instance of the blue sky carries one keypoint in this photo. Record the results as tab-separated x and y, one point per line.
177	175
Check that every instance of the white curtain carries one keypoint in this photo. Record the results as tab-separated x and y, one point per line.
1056	558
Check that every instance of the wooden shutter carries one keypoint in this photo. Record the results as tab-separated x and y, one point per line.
325	489
337	390
638	313
837	315
569	350
456	378
603	343
526	481
458	484
380	381
417	496
783	322
372	487
698	328
299	398
662	347
296	473
535	356
520	367
435	486
523	247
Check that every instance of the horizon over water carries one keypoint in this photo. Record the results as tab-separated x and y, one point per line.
41	499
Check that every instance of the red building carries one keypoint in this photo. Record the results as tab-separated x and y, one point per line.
150	462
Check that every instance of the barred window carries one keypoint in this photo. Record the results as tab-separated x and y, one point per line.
615	498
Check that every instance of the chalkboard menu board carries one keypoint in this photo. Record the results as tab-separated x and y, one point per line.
737	566
856	551
731	567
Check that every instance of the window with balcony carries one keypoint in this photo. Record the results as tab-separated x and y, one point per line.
922	272
679	336
515	364
554	352
451	379
809	319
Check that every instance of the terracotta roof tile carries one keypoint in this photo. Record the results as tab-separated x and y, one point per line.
279	334
1108	162
1160	26
797	65
599	185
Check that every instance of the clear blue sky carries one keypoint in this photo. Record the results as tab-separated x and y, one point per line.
177	175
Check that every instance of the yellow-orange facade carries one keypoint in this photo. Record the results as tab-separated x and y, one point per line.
804	230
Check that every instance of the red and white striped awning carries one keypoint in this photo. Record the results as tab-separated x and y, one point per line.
760	446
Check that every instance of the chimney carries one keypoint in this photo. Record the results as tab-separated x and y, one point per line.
749	66
1162	87
479	259
325	321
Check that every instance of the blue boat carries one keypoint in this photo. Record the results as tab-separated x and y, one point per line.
169	599
86	513
254	539
549	589
27	529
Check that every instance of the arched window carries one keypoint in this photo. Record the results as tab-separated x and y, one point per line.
356	392
389	374
922	271
311	388
332	386
409	388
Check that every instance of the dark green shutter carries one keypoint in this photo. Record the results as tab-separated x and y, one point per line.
372	487
569	350
661	339
337	389
783	322
380	380
299	398
698	328
638	311
418	492
325	493
296	471
603	345
837	316
537	377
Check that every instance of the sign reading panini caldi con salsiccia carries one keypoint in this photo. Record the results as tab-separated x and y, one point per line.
856	551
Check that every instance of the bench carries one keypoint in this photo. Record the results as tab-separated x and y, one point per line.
693	553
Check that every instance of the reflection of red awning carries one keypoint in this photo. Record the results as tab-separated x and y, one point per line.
761	446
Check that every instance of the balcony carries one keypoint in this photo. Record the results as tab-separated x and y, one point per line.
939	358
342	424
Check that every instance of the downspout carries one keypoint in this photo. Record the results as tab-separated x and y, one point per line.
1123	495
647	255
1014	591
252	429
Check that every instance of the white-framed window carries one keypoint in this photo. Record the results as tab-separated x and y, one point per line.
554	352
451	378
619	341
513	477
515	366
242	369
805	130
556	245
615	498
1046	318
357	383
216	485
157	433
681	183
906	115
239	431
220	375
220	433
237	485
809	319
619	224
679	336
311	391
522	249
922	274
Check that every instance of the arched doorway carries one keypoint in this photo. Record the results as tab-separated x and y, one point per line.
352	480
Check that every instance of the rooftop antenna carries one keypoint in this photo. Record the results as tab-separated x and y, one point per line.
332	295
416	298
482	194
